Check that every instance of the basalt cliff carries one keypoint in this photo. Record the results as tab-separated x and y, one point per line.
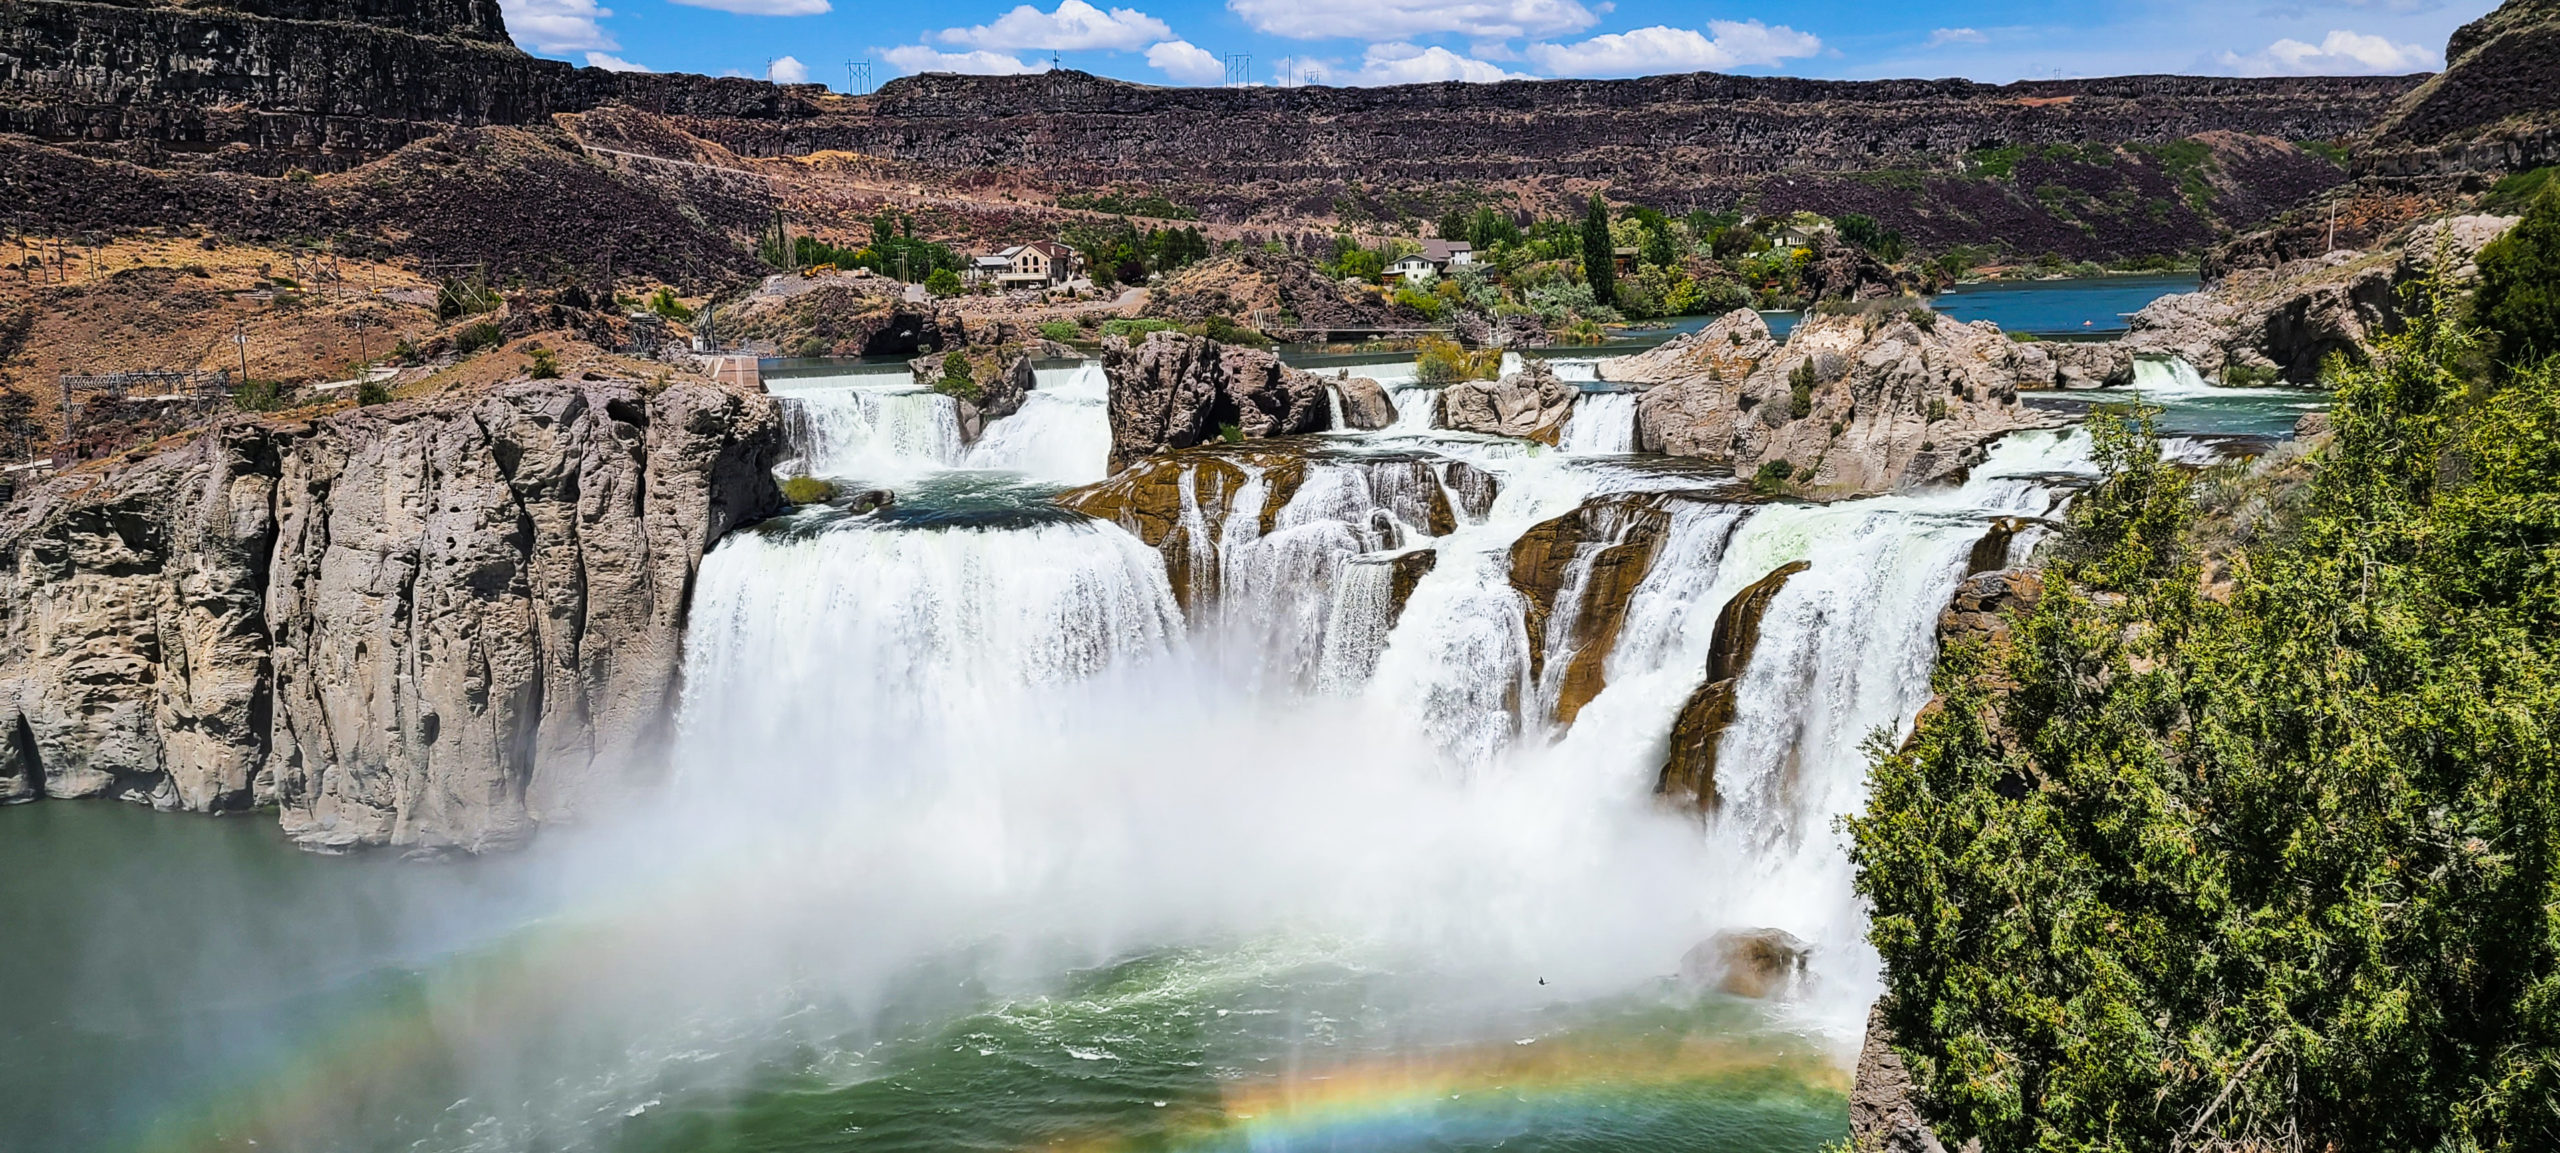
433	624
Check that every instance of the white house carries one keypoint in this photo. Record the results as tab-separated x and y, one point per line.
1436	259
1034	265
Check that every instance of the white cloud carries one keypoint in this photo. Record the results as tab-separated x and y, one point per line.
1407	64
2341	53
612	63
1074	27
914	58
764	7
1187	62
557	25
1395	19
1645	51
787	70
1945	36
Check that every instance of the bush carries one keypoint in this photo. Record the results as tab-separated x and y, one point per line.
808	490
1136	328
1800	387
1438	361
369	394
943	282
664	303
1773	475
1225	331
2248	376
1062	331
1419	303
2519	296
956	381
404	351
545	364
258	396
475	337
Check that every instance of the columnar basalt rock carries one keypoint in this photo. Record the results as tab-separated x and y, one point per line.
433	625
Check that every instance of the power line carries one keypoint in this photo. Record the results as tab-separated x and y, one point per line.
857	76
1240	69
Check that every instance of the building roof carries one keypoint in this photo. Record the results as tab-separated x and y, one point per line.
1440	251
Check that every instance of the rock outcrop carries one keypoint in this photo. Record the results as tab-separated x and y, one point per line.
1530	404
997	383
1364	402
1176	391
1575	574
1859	402
431	624
1882	1118
1754	963
2494	108
1689	769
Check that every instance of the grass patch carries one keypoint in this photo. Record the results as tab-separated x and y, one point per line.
808	490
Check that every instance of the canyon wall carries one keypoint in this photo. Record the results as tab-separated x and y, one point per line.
432	624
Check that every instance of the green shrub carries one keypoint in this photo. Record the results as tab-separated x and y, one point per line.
1773	475
2248	376
1226	331
2519	296
475	337
808	490
1136	328
1438	361
943	282
664	303
956	380
369	394
1231	434
258	396
545	364
1800	385
404	351
1062	331
1937	409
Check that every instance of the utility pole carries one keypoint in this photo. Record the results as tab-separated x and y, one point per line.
1240	69
857	76
240	337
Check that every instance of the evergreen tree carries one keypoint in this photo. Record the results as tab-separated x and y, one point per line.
1599	256
2519	297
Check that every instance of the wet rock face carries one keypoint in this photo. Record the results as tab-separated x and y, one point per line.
999	381
1365	405
1575	574
1858	403
1530	404
1689	770
431	625
1176	391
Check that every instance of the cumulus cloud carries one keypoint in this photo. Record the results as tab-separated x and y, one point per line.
1945	36
557	25
2341	53
1075	26
1388	20
764	7
611	63
787	70
1187	62
914	58
1735	44
1399	63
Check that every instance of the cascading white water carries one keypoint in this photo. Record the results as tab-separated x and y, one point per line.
880	432
1061	435
2168	376
1602	424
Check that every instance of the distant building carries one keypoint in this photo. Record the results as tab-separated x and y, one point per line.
1039	264
1436	259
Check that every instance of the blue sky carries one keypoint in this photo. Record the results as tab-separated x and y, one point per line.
1400	41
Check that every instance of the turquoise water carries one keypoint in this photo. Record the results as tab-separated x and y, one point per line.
2093	307
178	982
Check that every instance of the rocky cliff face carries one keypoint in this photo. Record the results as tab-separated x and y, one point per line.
2494	108
1859	402
434	624
1176	391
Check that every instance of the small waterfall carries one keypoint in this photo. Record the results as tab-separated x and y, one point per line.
2168	376
1574	368
1603	424
1417	408
871	432
1061	435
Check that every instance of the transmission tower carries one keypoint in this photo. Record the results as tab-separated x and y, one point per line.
1240	69
857	76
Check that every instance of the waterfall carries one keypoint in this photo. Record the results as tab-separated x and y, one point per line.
1062	435
2168	376
871	431
1603	423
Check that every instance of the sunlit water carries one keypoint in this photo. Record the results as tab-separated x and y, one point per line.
975	838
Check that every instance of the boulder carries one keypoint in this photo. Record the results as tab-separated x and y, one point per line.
1530	404
1726	349
1176	391
999	381
2456	241
1755	963
1860	402
1599	552
1365	405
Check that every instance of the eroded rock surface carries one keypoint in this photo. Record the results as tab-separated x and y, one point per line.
1755	963
1689	769
1176	391
1365	405
1530	404
434	624
1574	574
1857	403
